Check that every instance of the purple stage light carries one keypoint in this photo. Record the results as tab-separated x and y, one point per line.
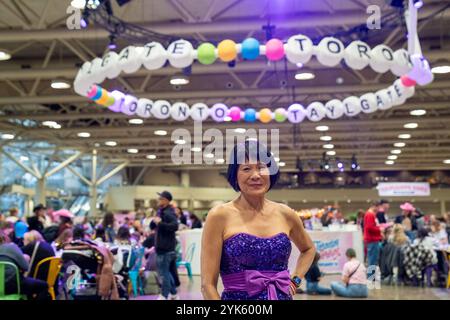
83	23
418	4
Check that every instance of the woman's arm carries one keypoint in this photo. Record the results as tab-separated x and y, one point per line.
212	240
303	242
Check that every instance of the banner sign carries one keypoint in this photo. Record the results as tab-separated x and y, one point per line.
403	189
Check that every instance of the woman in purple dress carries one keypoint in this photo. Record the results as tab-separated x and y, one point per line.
248	240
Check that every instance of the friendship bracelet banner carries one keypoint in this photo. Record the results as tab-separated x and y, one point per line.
412	69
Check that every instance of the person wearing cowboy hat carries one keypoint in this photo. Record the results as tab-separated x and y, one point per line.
65	220
407	219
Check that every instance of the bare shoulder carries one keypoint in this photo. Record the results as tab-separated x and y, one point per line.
286	211
218	212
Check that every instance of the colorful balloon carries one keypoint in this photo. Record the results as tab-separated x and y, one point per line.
280	115
250	49
206	54
226	50
235	113
265	115
274	49
250	115
407	82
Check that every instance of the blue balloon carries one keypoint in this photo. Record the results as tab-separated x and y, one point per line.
250	49
250	115
98	94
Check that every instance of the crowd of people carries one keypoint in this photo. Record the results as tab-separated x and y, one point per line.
139	243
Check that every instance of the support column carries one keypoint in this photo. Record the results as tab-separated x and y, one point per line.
40	191
93	188
191	205
185	179
443	209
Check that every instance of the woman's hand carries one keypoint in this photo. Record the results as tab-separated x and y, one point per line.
292	289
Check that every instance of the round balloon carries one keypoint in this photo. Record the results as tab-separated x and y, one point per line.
226	50
274	50
129	107
368	103
296	113
384	100
265	115
129	59
334	109
206	53
199	111
161	109
104	98
357	55
180	54
407	82
402	63
250	115
352	106
382	58
218	112
315	111
97	73
119	100
235	113
420	72
154	56
110	66
409	92
250	49
280	115
299	49
144	108
330	51
180	111
399	96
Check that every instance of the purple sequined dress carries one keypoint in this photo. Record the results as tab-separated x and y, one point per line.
244	251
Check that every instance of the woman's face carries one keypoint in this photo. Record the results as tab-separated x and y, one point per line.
253	178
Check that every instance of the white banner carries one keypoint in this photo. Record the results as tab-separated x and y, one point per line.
403	189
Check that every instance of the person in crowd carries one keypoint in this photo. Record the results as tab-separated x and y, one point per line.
65	237
424	238
327	217
13	215
108	226
65	220
99	235
149	214
439	236
353	277
407	219
398	236
382	208
360	218
36	222
313	277
88	228
49	218
372	236
250	236
37	249
165	224
33	288
20	228
79	233
180	216
196	222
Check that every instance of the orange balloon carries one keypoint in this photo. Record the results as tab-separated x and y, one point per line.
265	115
226	50
104	98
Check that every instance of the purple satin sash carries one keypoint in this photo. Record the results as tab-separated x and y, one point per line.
254	282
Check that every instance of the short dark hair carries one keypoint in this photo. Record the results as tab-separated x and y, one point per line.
78	232
246	152
350	253
123	233
382	201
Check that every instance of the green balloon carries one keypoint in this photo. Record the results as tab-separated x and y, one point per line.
205	53
280	116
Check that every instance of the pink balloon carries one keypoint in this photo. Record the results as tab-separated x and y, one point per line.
93	91
235	113
407	82
274	49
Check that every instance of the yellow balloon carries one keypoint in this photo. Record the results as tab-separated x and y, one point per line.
265	115
103	98
227	50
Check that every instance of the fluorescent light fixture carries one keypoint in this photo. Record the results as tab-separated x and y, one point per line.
132	150
389	162
50	124
404	136
209	155
4	55
328	146
111	143
151	156
441	69
304	76
60	84
446	161
418	112
220	161
196	149
281	164
392	157
396	151
84	134
180	141
136	121
411	125
24	158
276	159
399	144
79	4
179	80
326	138
331	153
322	128
57	126
240	130
160	132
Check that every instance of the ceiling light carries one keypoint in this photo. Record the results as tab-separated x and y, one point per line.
446	161
396	151
131	150
399	144
331	153
227	119
111	143
79	4
404	136
151	156
180	141
84	134
392	157
411	125
328	146
136	121
179	80
209	155
304	76
4	55
276	159
281	164
49	123
57	126
160	132
112	42
7	136
60	84
441	69
389	162
24	158
196	149
220	161
240	130
418	4
326	138
418	112
339	80
322	128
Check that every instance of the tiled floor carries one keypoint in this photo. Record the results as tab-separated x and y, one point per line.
190	290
